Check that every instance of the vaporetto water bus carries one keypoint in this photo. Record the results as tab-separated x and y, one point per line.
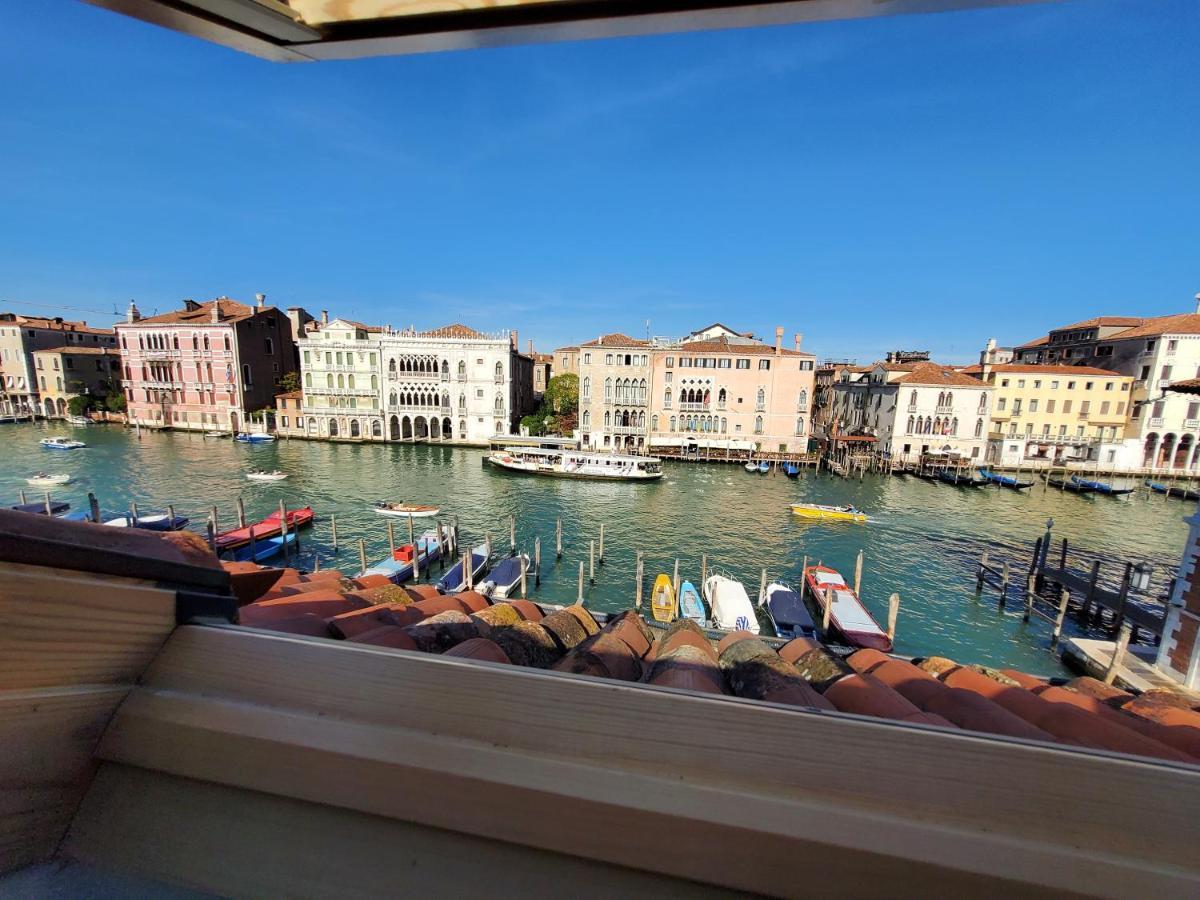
576	464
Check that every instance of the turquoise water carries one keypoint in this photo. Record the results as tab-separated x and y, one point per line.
924	540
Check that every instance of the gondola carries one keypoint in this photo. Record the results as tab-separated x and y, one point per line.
1070	485
1007	481
959	479
1102	487
1173	491
791	470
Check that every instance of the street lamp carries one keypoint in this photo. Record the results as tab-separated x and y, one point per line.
1140	577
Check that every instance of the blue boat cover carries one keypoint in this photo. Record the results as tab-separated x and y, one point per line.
56	506
506	573
789	612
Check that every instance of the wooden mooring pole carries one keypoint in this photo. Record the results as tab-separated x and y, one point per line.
1118	657
703	570
558	538
601	547
94	508
1064	599
362	556
638	574
241	512
579	593
391	538
858	567
537	562
893	614
591	562
512	533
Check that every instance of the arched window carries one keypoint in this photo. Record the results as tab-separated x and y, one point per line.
341	380
672	423
910	425
762	398
912	400
724	425
374	382
642	390
587	388
349	381
462	401
758	424
445	368
654	423
499	401
587	418
979	428
641	420
308	379
328	380
500	370
391	367
607	420
269	344
954	426
246	379
392	399
354	430
206	342
445	399
800	426
462	373
802	404
667	402
949	398
175	341
607	388
376	429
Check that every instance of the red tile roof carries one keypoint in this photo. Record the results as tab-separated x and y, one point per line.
616	340
1027	369
929	373
81	350
724	345
455	330
1183	323
1102	322
49	324
201	314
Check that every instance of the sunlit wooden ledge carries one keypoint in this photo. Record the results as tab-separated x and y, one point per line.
736	794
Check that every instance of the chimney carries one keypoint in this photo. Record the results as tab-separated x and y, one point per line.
216	311
1198	304
799	338
512	338
260	300
132	315
779	341
531	346
324	317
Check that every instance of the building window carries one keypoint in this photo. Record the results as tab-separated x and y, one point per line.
247	381
764	364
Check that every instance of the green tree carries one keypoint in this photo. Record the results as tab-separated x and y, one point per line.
535	423
562	394
114	400
288	382
79	404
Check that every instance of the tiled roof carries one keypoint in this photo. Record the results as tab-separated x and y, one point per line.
1024	369
933	374
456	330
1187	386
1102	322
803	672
49	324
229	310
362	327
724	345
1183	323
572	349
81	350
616	340
1036	342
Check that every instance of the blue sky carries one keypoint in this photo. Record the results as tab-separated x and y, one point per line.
915	182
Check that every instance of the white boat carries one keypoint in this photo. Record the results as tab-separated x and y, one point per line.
576	464
751	467
61	443
406	510
78	420
255	437
41	479
730	605
267	476
216	434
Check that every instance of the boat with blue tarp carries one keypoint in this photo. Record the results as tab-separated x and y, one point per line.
264	549
454	581
1102	487
1002	480
398	567
788	613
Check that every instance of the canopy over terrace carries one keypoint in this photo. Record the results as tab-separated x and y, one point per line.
306	30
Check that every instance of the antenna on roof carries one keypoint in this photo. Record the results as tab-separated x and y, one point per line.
647	329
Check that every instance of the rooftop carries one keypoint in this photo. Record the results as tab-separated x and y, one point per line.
80	350
616	340
1026	369
51	324
455	330
228	311
929	373
742	348
1131	327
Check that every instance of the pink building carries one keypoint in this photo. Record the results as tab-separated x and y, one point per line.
206	366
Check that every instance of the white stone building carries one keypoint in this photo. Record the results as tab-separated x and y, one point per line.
614	392
450	385
912	408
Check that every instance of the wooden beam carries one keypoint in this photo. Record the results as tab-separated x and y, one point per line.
372	730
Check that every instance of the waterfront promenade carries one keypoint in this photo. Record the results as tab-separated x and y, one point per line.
925	540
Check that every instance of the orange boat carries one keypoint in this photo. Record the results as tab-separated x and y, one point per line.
267	528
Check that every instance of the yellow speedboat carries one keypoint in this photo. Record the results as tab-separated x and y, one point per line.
663	605
839	513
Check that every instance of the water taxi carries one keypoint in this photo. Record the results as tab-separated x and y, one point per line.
662	599
576	464
847	613
61	443
845	513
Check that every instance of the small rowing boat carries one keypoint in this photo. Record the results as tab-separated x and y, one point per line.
78	421
730	605
789	616
254	437
791	470
264	549
764	467
453	581
691	606
262	475
152	522
847	614
1004	480
57	507
662	599
1173	490
267	528
406	510
845	513
751	466
505	578
1070	485
61	443
219	434
398	568
41	479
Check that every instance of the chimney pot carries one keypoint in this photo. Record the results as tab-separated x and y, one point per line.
778	341
1198	303
799	338
324	317
216	311
260	299
512	338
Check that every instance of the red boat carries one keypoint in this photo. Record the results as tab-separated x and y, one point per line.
848	614
267	528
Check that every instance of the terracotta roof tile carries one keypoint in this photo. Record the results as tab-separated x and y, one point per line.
79	350
250	581
442	631
929	373
386	636
1031	369
616	340
481	649
49	324
603	655
866	695
629	627
346	625
528	644
567	630
527	609
796	648
309	624
755	671
724	345
455	330
228	310
324	603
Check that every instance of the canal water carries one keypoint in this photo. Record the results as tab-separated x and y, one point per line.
924	540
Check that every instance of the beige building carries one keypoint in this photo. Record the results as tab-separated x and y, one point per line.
564	360
65	372
614	392
20	337
1056	414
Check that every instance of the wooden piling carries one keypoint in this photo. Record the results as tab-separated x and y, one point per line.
1031	581
316	562
982	573
170	517
827	612
212	535
241	512
94	508
253	551
523	561
391	538
362	556
1063	600
487	545
133	514
537	562
283	529
675	581
601	547
703	570
410	537
213	514
591	562
762	588
46	501
512	533
1122	596
1118	658
893	614
333	526
468	574
579	593
1086	609
1004	585
558	538
858	567
638	574
1062	558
